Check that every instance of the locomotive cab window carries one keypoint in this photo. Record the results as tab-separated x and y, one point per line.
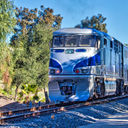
58	41
75	41
71	41
88	41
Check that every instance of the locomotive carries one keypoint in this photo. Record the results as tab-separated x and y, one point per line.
86	63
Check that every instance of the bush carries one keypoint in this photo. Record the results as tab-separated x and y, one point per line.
35	98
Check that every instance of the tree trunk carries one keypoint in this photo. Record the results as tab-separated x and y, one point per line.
46	96
16	92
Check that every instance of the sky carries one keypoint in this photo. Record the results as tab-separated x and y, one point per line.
73	11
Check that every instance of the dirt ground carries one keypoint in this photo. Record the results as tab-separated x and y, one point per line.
9	104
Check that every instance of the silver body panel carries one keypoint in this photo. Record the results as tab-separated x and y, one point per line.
84	85
113	63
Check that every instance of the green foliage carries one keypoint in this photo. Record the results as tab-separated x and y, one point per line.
31	48
27	19
19	59
26	88
96	22
24	61
7	20
6	65
7	23
126	45
35	98
6	93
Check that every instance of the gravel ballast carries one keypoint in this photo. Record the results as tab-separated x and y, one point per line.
74	118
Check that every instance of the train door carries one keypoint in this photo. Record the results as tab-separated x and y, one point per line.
107	56
111	58
116	48
125	71
119	67
121	61
104	55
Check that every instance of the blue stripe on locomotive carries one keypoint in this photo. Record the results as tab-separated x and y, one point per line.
92	61
53	63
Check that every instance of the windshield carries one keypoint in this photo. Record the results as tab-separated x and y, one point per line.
74	41
71	40
88	40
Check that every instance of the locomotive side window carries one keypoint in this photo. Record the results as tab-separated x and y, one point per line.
105	41
116	46
98	42
111	45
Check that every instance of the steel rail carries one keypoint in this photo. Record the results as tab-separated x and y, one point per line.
52	108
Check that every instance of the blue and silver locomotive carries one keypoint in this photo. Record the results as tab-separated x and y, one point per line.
85	63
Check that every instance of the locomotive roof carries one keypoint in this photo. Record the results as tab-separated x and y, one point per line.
80	31
74	31
84	31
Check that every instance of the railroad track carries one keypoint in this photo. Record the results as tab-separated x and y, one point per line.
51	108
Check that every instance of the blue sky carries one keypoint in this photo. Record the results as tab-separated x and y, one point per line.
73	11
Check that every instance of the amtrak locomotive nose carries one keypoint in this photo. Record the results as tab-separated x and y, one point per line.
71	61
84	63
73	54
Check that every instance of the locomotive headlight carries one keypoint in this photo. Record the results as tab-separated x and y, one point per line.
51	71
57	71
54	71
82	71
85	71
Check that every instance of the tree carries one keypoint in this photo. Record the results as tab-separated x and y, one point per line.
38	56
7	20
96	22
6	65
27	19
19	59
126	44
7	23
31	45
